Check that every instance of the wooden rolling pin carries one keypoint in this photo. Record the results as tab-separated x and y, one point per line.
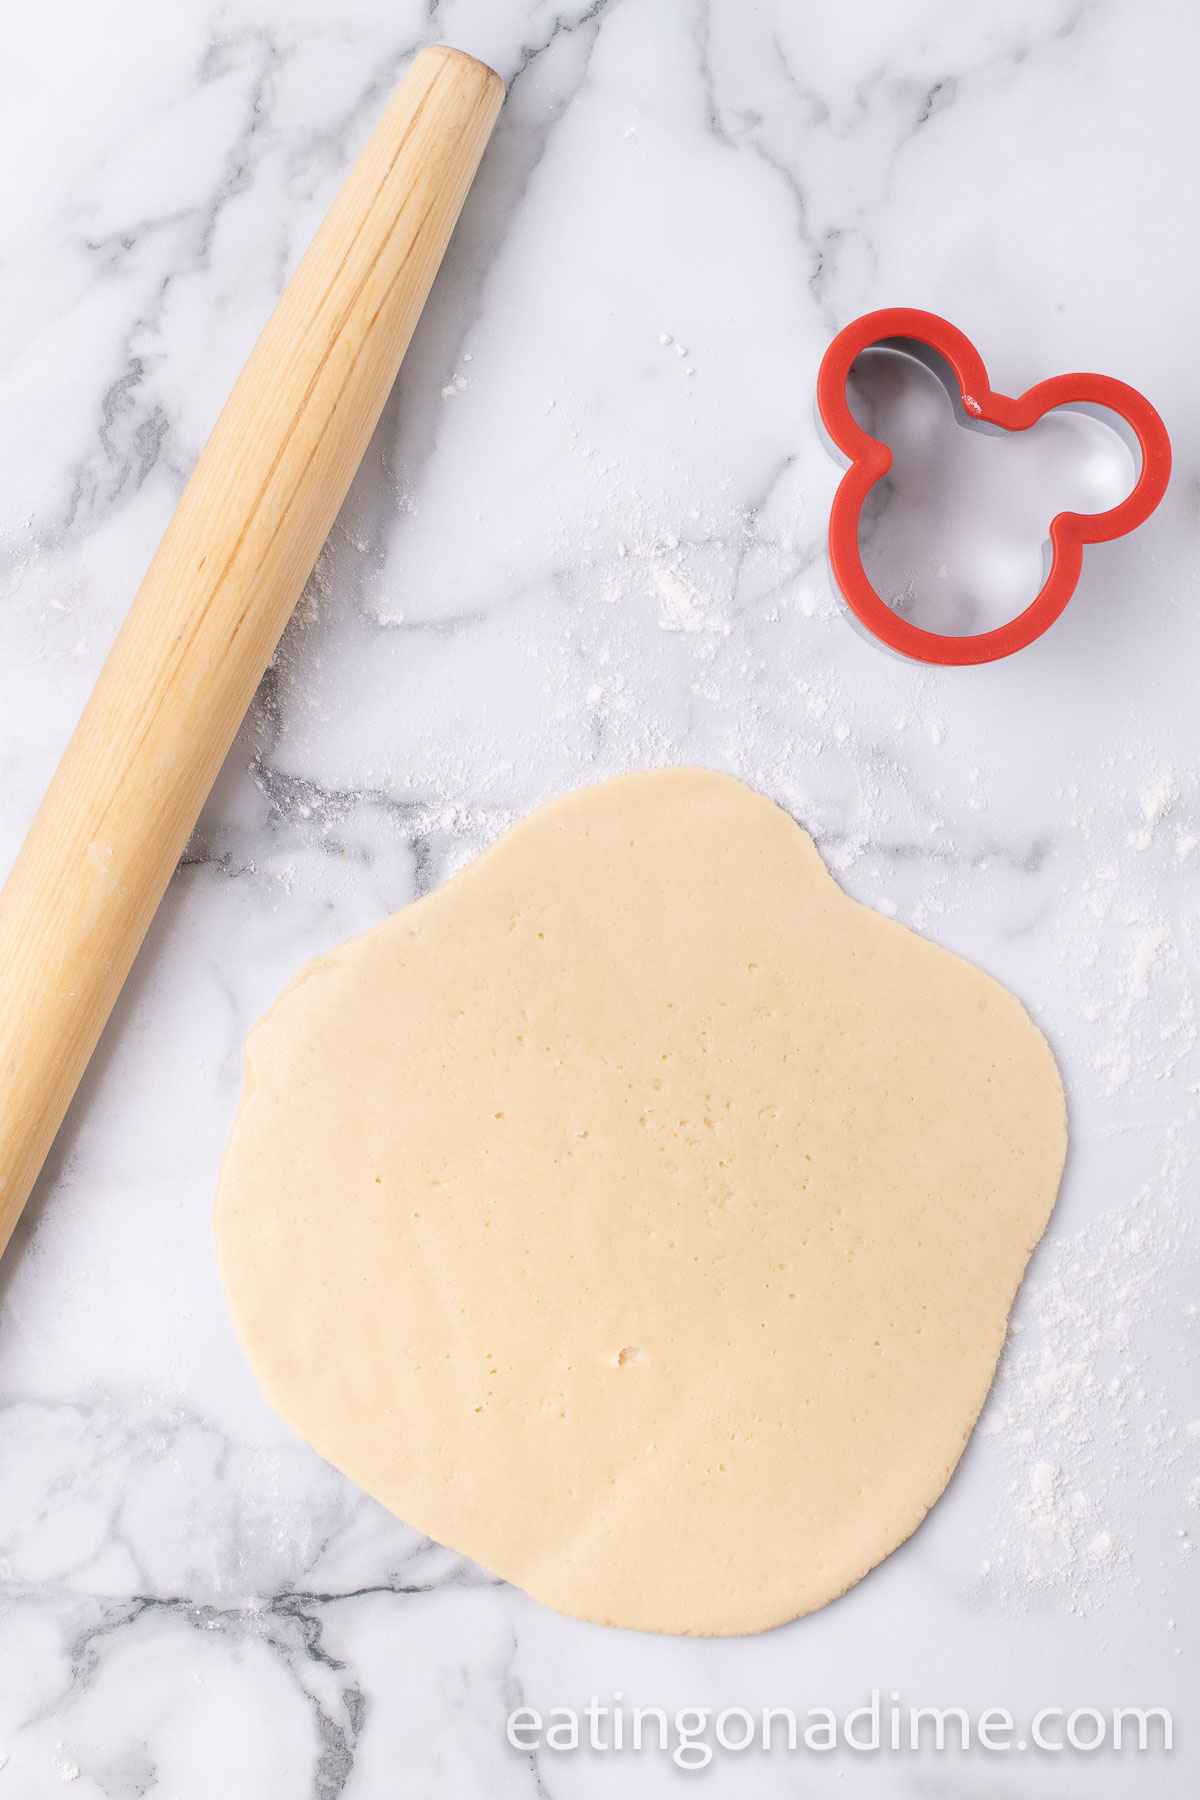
223	582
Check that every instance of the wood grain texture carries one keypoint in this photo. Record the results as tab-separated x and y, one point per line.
216	597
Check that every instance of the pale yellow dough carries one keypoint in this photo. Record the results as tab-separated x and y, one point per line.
639	1215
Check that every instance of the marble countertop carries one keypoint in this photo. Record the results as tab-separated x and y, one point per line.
588	537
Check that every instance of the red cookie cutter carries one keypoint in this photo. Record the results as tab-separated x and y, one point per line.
906	328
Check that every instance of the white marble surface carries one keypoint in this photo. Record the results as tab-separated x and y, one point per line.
575	553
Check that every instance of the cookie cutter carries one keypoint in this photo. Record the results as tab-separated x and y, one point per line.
958	365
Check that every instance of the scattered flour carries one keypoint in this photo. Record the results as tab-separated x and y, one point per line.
684	607
1076	1419
1156	800
1147	957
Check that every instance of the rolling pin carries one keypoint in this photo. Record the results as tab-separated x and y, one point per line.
216	597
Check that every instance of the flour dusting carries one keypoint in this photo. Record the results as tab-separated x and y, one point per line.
1078	1417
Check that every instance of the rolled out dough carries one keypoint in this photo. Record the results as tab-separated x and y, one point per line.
637	1214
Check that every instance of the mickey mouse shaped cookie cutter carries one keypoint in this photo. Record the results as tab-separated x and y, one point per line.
956	361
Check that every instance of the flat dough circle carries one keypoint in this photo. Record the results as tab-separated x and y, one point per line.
637	1214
